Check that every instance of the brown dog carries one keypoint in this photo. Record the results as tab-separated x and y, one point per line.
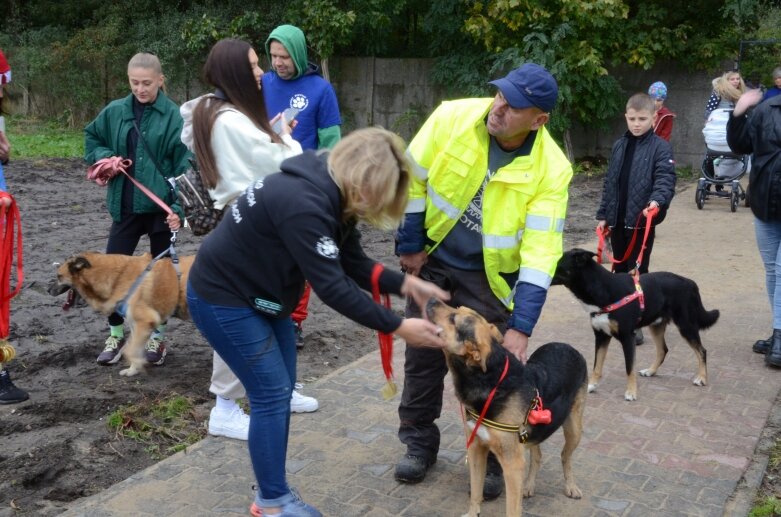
102	280
555	373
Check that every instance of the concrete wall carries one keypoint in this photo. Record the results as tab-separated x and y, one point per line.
398	94
393	93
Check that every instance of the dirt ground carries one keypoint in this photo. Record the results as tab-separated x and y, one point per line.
56	447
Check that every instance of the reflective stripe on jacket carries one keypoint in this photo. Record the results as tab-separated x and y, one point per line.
524	204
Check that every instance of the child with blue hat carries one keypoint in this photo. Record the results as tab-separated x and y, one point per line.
663	123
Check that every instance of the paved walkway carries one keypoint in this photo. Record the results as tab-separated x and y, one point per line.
678	450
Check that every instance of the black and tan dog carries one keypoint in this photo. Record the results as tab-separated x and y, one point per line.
555	372
102	280
667	297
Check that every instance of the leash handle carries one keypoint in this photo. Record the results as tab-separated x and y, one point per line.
650	213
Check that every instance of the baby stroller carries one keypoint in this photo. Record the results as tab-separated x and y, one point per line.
721	168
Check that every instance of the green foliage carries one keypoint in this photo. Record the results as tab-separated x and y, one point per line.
769	506
326	25
31	138
165	425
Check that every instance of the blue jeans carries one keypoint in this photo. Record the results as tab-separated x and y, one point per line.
262	353
769	244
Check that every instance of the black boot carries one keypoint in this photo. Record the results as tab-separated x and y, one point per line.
761	346
10	394
412	469
773	357
494	480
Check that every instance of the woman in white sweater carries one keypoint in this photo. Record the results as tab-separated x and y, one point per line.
231	136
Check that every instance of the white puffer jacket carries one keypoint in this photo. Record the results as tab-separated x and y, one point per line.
243	152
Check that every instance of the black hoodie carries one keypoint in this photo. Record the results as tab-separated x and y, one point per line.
284	228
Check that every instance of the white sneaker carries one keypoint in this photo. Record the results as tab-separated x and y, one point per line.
231	424
302	404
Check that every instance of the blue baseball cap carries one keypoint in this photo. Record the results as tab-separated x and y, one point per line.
527	86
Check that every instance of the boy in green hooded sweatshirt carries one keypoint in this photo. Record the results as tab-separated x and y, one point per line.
294	82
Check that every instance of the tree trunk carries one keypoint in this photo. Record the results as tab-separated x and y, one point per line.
568	146
324	67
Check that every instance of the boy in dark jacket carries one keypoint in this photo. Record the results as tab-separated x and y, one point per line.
640	175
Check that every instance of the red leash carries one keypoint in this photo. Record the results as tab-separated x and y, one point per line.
386	340
105	169
602	234
9	218
488	402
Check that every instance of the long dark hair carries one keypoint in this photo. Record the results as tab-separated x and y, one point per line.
228	69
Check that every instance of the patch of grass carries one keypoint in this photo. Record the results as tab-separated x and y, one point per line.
768	507
34	138
164	425
687	172
768	500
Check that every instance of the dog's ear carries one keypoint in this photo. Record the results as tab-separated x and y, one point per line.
78	264
496	334
583	257
474	355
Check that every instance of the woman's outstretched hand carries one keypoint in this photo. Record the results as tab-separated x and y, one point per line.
422	291
420	332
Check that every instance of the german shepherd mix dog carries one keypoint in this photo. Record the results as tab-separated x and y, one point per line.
102	280
554	378
667	297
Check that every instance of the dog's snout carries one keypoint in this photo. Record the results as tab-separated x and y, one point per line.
431	306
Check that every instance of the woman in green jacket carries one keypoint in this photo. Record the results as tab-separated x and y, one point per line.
157	153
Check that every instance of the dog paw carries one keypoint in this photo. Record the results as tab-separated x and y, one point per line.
699	381
528	491
647	372
592	388
573	492
129	372
630	396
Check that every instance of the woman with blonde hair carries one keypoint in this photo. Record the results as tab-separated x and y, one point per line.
144	127
727	89
249	273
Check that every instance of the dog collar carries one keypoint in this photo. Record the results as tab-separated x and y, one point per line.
536	414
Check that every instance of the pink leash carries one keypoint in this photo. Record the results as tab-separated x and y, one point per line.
103	170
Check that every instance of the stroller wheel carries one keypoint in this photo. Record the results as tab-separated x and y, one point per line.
699	197
734	199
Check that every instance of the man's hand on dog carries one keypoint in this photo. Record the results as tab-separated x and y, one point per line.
516	343
412	262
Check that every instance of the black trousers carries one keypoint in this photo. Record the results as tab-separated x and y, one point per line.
620	239
425	368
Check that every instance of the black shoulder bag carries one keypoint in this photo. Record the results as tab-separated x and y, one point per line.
199	212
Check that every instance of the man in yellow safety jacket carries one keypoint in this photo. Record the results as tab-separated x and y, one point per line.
484	221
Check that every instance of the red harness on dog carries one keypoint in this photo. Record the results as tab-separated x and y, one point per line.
637	295
537	414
